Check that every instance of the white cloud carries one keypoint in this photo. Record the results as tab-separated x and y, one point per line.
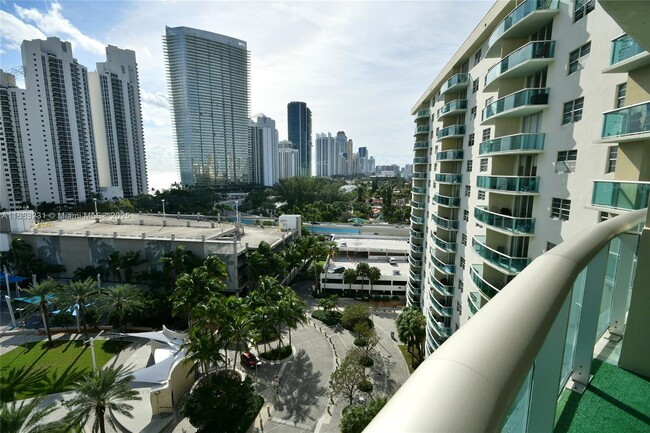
53	23
13	31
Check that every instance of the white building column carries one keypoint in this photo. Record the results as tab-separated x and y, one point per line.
622	283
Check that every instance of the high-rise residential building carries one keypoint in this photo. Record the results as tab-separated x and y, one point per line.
57	139
371	164
265	150
14	185
340	147
349	149
257	152
362	162
324	147
288	160
299	128
513	153
117	123
208	76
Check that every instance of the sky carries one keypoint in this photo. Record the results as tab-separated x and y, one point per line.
359	65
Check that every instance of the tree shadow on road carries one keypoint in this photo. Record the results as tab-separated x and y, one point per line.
299	390
380	372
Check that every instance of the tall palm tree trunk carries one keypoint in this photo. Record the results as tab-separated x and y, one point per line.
100	417
46	322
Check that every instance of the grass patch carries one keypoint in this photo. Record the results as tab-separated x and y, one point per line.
277	354
330	318
407	357
40	369
615	400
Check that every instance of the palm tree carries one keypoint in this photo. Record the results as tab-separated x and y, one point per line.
196	288
19	257
177	262
103	394
349	277
121	300
112	265
26	417
374	275
296	311
318	269
80	293
44	292
238	325
257	265
130	260
362	271
202	348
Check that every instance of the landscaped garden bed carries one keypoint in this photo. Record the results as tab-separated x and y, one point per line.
277	354
330	318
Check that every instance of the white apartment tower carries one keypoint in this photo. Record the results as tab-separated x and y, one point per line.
57	142
288	160
324	147
538	127
265	150
117	121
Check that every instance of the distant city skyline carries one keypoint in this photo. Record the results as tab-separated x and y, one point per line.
353	73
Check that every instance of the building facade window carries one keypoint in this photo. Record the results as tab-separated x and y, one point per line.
486	134
466	215
481	195
560	208
621	91
572	111
470	141
475	86
576	55
462	262
477	57
612	153
484	164
582	8
473	113
469	165
463	239
461	286
468	190
566	161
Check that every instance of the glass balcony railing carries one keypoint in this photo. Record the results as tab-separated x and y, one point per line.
620	195
453	106
446	201
509	183
627	121
530	51
422	114
445	223
416	284
415	262
418	204
518	14
487	289
498	258
413	292
442	286
417	235
439	327
623	48
417	220
418	190
521	99
422	129
420	145
449	247
417	249
419	175
456	82
513	143
420	160
449	155
473	302
445	268
449	178
441	310
505	222
414	276
451	131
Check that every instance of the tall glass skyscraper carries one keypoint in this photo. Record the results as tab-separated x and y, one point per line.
299	127
208	76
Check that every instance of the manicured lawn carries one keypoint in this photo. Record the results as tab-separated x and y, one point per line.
40	370
407	356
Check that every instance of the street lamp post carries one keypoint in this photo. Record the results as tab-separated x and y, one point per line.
163	204
92	350
95	200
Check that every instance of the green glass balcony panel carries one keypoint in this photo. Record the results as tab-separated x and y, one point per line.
422	129
440	309
453	106
417	235
418	204
415	262
627	121
422	175
449	178
509	183
513	143
417	249
446	201
417	220
439	327
473	302
623	48
445	268
451	131
505	222
420	160
515	17
449	155
620	195
418	190
420	145
530	51
422	113
449	224
413	292
414	276
476	272
447	246
499	259
442	286
523	98
415	283
456	82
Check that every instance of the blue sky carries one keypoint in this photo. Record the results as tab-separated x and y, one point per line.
360	66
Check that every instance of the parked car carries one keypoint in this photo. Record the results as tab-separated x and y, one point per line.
250	360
